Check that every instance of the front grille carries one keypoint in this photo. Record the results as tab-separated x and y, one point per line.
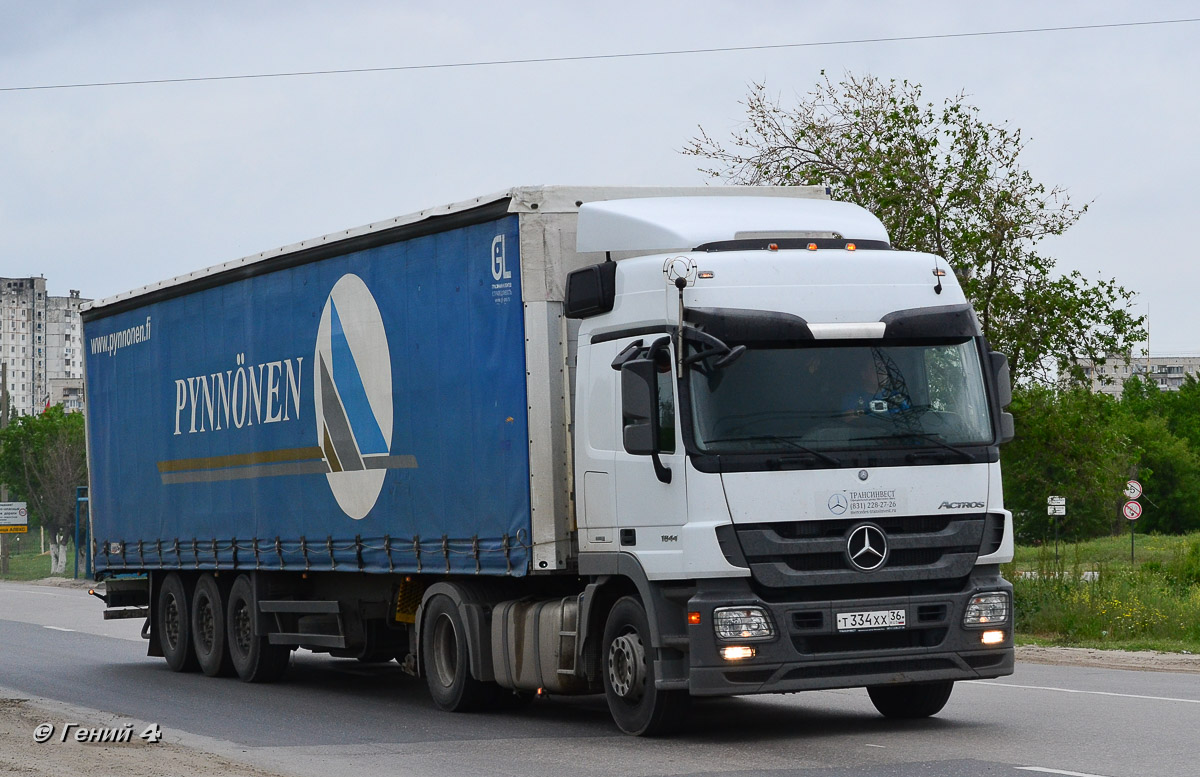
923	550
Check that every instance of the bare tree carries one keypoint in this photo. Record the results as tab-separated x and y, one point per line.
944	181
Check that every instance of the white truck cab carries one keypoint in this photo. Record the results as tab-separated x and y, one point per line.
791	430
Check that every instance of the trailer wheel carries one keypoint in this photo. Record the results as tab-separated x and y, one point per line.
911	700
208	628
254	658
446	660
637	706
174	625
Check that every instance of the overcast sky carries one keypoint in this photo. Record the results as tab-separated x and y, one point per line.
107	189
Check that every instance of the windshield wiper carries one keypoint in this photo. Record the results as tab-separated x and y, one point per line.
930	436
786	441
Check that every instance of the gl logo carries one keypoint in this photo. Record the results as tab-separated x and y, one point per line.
499	265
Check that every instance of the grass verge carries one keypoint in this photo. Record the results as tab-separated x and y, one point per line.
1091	595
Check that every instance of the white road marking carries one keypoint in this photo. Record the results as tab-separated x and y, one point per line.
1092	693
1044	770
881	747
58	628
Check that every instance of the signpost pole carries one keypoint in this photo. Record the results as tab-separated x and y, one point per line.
1132	511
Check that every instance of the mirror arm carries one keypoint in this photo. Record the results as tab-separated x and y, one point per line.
661	471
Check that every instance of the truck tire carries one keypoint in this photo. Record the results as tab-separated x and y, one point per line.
208	628
911	700
254	658
636	705
174	625
446	659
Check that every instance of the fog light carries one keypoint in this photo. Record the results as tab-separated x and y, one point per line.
992	637
987	608
740	623
737	652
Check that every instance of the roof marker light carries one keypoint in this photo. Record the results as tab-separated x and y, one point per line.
851	247
812	246
706	275
772	246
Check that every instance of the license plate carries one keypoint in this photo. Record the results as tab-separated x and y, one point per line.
874	620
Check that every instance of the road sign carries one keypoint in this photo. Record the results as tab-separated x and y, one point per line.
1133	489
1132	510
1057	501
13	514
1056	510
21	529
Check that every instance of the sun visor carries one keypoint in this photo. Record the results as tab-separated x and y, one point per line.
681	223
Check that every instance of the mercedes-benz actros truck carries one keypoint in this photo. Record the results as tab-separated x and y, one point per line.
649	443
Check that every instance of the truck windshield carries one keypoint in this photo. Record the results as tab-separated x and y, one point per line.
780	397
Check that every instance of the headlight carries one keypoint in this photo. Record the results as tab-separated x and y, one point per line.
986	609
742	623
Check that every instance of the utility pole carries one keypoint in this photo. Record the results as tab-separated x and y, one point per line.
3	488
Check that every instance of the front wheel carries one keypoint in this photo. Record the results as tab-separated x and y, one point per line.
911	700
636	705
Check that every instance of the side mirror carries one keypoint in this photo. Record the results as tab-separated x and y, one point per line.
1003	382
639	413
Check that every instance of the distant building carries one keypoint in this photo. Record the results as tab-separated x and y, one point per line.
1166	372
41	344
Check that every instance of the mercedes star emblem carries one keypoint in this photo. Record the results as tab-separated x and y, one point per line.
867	547
838	504
862	474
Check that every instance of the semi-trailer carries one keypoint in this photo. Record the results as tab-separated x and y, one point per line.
651	443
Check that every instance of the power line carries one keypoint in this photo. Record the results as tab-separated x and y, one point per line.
587	57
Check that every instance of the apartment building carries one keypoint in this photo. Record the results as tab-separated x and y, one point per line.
1167	372
41	345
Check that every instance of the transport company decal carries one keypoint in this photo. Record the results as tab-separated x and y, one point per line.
502	285
115	341
852	503
352	402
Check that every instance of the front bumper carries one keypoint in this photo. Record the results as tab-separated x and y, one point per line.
808	653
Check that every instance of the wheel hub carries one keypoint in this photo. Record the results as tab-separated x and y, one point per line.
627	666
243	633
171	622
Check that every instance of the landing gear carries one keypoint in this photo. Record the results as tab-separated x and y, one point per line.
636	705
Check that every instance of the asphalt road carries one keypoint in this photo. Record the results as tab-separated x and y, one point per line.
336	717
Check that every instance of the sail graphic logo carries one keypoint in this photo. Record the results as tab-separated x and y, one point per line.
352	387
